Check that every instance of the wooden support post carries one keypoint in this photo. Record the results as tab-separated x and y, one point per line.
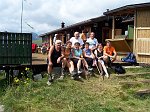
134	39
51	42
113	27
62	36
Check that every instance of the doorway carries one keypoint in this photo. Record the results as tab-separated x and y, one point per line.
106	34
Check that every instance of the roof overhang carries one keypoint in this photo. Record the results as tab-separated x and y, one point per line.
128	9
83	23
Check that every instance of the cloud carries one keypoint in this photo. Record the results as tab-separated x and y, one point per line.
47	15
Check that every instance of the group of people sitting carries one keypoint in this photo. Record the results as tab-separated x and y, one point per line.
80	54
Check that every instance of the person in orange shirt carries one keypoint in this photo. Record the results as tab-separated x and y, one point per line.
83	36
110	53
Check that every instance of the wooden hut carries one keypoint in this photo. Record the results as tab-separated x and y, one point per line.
128	28
131	30
100	25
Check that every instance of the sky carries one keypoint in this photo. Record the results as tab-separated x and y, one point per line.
41	16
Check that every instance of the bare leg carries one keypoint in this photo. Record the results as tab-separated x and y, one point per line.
85	63
64	62
104	67
49	69
79	65
100	67
50	78
70	66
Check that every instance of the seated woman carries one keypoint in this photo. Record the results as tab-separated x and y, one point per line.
78	57
88	54
99	55
66	62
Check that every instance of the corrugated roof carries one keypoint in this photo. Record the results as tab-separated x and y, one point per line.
127	7
92	20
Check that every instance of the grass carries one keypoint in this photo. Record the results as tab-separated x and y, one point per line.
93	95
38	42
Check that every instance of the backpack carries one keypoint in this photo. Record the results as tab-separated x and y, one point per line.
119	69
129	58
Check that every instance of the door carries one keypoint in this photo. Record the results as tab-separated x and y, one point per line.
106	33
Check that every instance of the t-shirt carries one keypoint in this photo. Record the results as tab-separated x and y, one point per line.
83	36
87	51
98	53
67	52
74	40
109	50
92	42
77	52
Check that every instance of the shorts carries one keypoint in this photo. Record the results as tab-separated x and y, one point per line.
75	61
55	64
89	61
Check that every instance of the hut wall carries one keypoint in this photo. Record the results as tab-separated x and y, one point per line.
142	39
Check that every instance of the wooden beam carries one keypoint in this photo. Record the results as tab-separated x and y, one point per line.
134	40
146	54
62	36
51	42
113	27
143	28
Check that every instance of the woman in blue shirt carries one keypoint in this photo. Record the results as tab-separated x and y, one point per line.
88	54
77	53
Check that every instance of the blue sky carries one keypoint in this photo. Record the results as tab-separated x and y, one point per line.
47	15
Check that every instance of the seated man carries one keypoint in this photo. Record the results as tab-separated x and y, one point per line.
54	58
88	54
109	53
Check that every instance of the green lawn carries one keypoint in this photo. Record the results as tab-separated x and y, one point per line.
93	95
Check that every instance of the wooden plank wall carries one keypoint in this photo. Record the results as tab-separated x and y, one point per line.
143	35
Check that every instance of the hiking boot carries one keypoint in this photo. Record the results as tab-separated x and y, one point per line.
61	77
79	77
72	77
62	71
90	69
107	75
50	78
79	72
49	83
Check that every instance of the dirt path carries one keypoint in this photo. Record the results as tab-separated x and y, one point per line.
38	58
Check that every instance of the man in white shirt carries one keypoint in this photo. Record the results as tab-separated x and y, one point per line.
76	38
92	41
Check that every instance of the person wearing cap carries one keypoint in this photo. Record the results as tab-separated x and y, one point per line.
92	41
54	58
77	53
110	53
76	38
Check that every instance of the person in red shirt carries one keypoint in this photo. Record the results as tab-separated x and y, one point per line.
110	53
